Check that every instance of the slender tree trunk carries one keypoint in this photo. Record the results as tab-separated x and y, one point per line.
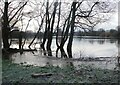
49	42
20	40
58	46
63	54
43	43
69	46
118	59
37	32
65	35
118	35
46	29
50	32
25	38
0	37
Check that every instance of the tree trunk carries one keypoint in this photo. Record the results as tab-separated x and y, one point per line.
5	27
63	54
118	58
57	33
43	43
64	36
46	29
50	31
20	40
0	37
37	32
49	42
69	46
5	38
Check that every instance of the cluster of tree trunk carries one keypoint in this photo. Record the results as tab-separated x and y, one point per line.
68	27
69	23
50	24
50	19
6	27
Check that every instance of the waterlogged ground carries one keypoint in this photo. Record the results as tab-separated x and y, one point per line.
19	68
82	47
36	59
103	49
18	73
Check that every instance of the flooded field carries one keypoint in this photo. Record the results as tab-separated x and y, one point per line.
104	49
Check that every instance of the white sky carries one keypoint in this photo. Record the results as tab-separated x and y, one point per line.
112	23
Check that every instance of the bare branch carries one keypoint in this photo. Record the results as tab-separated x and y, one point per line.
1	10
79	4
88	11
17	11
37	31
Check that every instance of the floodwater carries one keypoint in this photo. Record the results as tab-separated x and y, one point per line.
81	48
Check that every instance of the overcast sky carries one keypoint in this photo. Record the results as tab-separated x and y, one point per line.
112	23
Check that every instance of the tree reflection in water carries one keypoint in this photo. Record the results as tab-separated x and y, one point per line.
101	41
118	52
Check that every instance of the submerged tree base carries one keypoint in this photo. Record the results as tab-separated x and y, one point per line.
15	50
16	74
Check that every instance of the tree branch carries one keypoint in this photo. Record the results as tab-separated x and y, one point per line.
17	11
88	11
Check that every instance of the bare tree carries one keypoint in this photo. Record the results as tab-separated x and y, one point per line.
7	18
49	27
88	15
69	46
50	30
46	28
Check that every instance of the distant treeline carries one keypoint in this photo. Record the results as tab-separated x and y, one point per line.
28	34
112	33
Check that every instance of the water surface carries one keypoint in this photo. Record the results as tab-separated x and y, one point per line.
81	48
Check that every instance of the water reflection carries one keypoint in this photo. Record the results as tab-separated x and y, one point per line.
91	41
95	47
37	60
113	40
81	48
119	51
101	41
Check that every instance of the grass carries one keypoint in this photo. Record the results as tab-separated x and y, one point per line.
14	73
